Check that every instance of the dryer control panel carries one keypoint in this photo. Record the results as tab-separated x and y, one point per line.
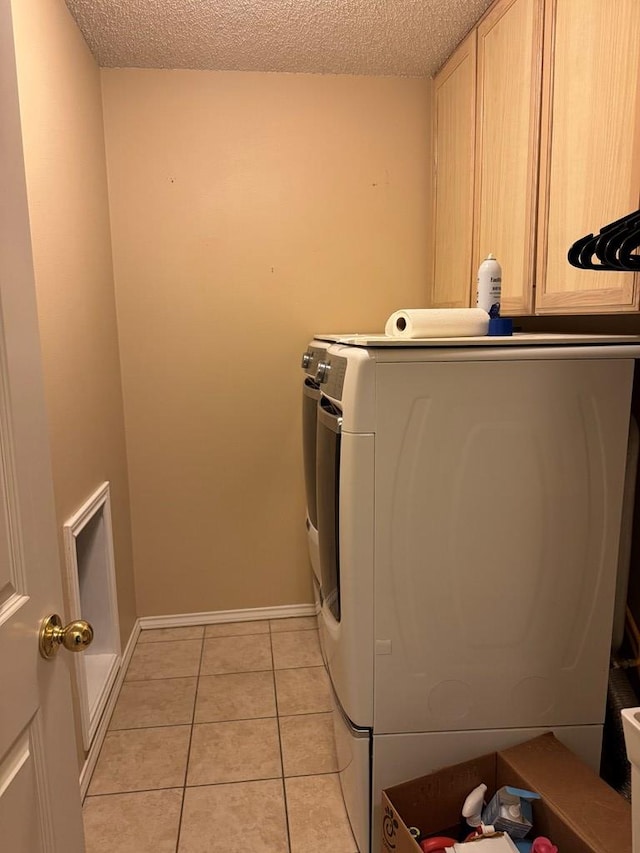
330	375
311	358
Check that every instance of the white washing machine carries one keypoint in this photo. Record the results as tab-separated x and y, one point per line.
469	502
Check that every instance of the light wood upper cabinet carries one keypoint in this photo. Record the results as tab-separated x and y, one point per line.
506	163
454	137
556	156
590	148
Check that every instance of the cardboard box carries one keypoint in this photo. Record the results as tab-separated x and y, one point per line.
578	811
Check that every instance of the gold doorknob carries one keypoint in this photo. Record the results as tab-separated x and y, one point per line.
75	636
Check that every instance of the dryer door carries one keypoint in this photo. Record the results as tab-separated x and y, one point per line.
310	397
328	494
348	644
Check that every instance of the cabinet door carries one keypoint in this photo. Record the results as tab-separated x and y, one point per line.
454	149
590	148
508	114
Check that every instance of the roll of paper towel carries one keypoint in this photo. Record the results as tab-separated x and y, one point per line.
437	323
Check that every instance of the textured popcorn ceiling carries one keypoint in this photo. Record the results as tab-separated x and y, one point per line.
389	37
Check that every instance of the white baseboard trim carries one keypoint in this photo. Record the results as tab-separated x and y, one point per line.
214	617
96	744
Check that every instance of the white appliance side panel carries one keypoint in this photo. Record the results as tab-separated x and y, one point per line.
354	762
348	645
316	593
498	505
314	550
398	758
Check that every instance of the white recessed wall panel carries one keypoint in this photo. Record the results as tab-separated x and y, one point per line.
91	585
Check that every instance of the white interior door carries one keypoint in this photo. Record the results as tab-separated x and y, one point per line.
40	808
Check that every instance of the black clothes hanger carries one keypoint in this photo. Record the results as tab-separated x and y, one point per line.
573	256
631	242
609	245
585	258
612	246
583	250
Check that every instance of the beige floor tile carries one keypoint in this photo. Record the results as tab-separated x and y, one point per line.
295	623
141	759
317	817
304	690
234	751
157	635
144	822
296	648
179	659
237	629
161	702
308	745
247	817
236	654
238	696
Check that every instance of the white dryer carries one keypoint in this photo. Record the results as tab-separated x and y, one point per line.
469	504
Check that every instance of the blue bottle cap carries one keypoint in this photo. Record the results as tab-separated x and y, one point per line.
500	326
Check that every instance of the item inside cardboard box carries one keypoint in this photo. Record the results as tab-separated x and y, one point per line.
506	817
539	782
498	843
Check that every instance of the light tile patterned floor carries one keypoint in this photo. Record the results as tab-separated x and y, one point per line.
206	720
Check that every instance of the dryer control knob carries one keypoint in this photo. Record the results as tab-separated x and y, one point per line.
322	373
307	358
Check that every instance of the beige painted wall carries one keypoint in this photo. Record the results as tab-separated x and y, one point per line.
248	211
61	109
